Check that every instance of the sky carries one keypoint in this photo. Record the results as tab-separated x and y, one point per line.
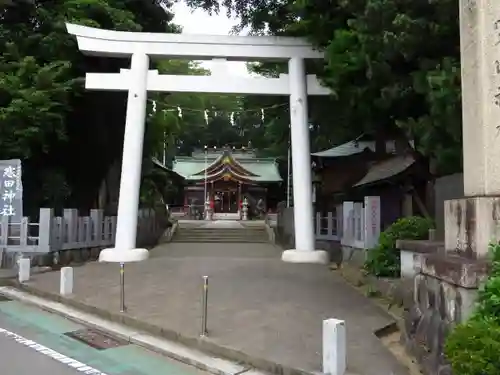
211	25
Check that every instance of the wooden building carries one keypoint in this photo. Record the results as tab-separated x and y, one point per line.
226	176
353	170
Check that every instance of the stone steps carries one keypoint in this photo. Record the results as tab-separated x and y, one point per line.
220	240
234	235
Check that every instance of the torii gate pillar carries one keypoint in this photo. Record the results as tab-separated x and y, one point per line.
139	80
305	239
130	181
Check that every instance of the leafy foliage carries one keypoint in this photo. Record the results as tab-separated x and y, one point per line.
392	65
488	302
67	138
37	97
384	259
70	139
472	347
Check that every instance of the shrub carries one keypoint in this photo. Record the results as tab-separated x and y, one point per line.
488	301
472	348
383	260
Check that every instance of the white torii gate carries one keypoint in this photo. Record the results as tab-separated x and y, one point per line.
138	80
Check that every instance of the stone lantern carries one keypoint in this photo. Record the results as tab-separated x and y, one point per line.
245	209
208	209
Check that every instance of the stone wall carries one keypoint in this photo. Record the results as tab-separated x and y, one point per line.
444	291
436	307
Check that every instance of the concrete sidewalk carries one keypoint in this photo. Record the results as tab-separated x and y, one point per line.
261	311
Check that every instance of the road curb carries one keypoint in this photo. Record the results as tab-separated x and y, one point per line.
205	345
178	352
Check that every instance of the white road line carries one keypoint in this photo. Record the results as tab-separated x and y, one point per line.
70	362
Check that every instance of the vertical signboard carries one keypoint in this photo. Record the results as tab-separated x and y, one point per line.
372	221
11	190
347	234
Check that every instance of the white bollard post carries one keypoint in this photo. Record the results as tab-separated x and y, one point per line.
24	268
334	347
66	287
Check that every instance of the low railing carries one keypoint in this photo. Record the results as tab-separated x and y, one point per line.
70	231
353	224
348	224
189	212
328	226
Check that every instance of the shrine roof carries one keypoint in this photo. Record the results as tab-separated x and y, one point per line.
386	169
356	146
160	165
192	168
346	149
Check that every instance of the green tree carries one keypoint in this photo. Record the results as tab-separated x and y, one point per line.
66	137
392	65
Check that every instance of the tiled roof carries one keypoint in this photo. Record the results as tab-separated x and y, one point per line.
357	146
386	169
265	170
346	149
159	164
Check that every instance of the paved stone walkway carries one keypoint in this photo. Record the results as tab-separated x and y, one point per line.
257	304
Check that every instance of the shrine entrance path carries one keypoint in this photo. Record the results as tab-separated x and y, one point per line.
258	305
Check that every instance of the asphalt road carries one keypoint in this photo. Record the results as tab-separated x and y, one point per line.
34	342
18	359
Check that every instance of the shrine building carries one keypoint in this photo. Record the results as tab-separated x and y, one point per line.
228	175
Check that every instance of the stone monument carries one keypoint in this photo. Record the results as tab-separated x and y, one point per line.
473	222
448	275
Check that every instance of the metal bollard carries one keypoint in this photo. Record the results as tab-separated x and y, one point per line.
204	307
122	287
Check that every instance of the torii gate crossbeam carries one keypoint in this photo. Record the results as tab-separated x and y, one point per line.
140	47
212	84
